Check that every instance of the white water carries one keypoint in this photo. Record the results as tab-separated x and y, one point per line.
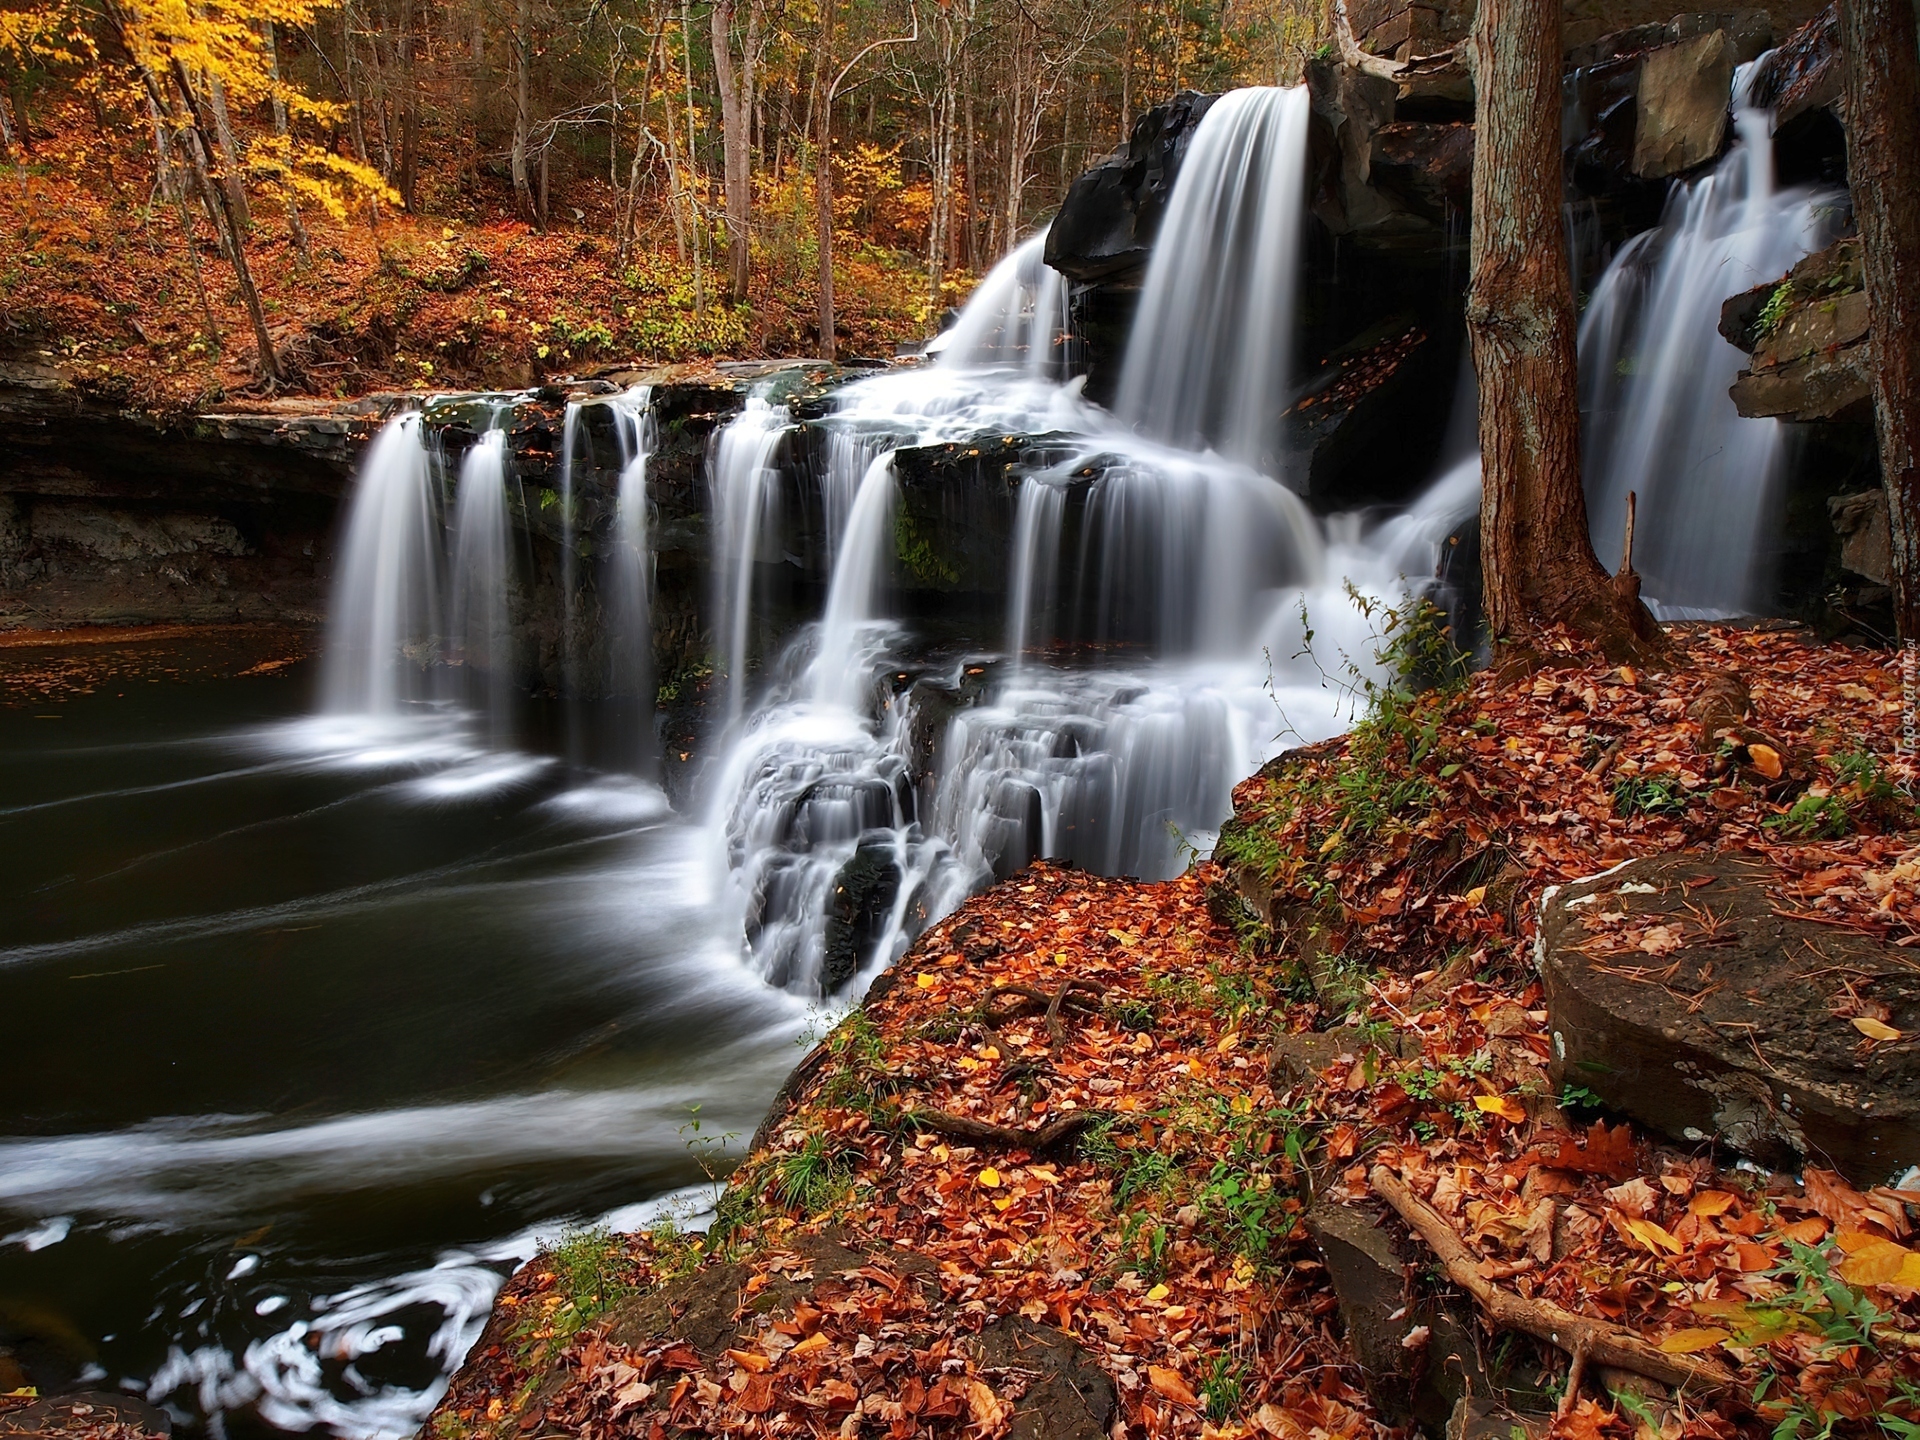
1654	379
1017	319
1190	573
745	486
479	639
1208	359
629	604
385	610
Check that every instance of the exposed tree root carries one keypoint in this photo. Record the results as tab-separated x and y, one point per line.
1029	999
979	1132
1595	1340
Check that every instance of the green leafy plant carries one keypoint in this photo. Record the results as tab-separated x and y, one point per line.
1221	1391
1648	795
1773	314
1813	817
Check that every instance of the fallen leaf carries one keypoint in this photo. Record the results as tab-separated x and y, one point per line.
1709	1203
1689	1342
1766	760
1169	1384
749	1360
990	1178
1652	1236
1505	1106
1874	1029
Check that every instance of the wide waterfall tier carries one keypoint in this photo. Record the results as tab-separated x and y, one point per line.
1208	361
1655	375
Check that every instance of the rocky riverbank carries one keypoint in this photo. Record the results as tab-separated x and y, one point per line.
1099	1157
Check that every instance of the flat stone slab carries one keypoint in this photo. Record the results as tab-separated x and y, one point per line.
1680	993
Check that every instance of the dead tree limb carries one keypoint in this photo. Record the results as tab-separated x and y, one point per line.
1602	1343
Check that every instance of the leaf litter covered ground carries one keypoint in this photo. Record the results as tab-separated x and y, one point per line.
1061	1106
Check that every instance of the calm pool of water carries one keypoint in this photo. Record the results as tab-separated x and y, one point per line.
311	1028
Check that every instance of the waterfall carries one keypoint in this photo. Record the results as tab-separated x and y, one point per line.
384	612
1207	362
629	605
745	486
839	671
1017	318
479	640
1654	379
1036	564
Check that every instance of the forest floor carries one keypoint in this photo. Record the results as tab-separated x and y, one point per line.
98	278
1111	1111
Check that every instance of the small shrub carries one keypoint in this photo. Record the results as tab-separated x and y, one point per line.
1648	795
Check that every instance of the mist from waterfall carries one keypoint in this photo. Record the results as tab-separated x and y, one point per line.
1655	373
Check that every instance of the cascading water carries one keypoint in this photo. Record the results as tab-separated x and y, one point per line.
1654	379
479	639
385	613
745	498
1016	319
1207	360
629	603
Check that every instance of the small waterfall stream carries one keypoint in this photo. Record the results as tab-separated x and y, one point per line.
1654	379
386	595
479	643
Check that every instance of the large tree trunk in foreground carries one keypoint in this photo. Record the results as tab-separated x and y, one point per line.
1883	171
1537	560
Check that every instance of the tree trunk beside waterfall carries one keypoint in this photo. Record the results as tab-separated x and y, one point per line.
1882	53
1537	560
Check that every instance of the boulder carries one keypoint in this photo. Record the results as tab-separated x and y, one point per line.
1112	212
1807	334
857	910
1418	1355
1719	1027
1681	115
1866	541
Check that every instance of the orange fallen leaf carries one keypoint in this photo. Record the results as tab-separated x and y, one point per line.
749	1360
1169	1384
1709	1203
812	1344
1766	760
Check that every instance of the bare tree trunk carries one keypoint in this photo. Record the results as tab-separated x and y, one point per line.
522	64
1537	559
823	190
295	229
696	225
231	180
1883	171
409	113
735	83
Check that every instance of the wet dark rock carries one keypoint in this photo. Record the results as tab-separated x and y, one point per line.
1804	73
1866	539
1352	426
1112	212
82	1414
857	909
1428	167
1735	1042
